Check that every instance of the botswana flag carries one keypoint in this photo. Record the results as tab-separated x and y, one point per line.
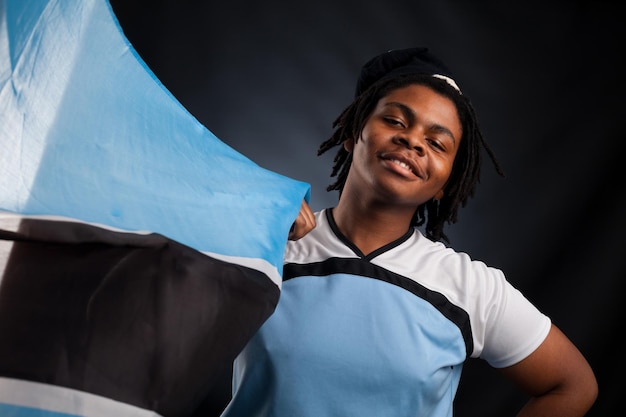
138	252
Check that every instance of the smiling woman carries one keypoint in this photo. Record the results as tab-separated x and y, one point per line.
416	67
422	126
377	319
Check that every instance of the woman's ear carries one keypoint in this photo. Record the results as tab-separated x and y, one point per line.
348	145
439	195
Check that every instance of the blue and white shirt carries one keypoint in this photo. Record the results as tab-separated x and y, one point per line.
379	335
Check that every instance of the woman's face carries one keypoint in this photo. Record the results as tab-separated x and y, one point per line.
405	153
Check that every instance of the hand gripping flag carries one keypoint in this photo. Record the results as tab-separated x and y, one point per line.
138	252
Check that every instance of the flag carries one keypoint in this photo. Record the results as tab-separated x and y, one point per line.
138	252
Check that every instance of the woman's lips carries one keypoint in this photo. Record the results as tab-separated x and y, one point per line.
405	163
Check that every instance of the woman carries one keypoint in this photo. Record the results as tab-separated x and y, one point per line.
376	318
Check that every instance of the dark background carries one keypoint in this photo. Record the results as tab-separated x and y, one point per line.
546	79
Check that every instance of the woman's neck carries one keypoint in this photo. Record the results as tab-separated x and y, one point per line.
371	226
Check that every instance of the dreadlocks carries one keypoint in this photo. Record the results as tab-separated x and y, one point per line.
465	170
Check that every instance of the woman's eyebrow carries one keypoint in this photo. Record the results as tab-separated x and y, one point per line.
412	116
442	129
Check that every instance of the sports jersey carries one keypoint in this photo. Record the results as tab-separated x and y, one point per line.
382	334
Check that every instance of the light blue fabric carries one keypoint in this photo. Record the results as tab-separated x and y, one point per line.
8	410
87	131
356	346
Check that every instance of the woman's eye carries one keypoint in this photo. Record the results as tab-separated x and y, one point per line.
435	144
394	122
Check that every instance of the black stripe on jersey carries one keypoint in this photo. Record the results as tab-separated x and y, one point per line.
355	249
359	267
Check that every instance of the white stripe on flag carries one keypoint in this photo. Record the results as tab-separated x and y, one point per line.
25	398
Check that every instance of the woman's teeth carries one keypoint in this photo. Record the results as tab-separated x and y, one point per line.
402	164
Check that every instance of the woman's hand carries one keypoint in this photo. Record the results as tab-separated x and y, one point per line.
305	222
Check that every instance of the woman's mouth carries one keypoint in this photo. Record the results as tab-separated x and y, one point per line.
403	165
407	165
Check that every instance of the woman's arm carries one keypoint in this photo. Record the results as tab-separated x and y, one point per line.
557	377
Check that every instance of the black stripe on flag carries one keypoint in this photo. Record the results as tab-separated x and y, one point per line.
137	318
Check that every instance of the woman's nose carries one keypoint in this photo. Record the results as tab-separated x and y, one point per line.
412	142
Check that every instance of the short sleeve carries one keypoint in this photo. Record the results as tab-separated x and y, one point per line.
515	330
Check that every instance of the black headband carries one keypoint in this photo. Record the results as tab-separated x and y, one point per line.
402	62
